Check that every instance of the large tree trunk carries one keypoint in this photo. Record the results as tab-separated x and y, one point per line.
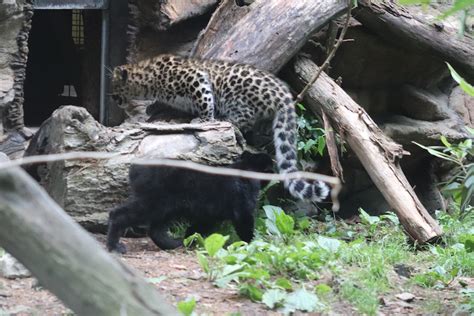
377	153
269	34
397	25
15	23
65	258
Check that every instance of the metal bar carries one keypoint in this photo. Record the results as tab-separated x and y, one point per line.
70	4
104	62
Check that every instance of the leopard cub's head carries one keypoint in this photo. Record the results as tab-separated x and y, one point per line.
120	84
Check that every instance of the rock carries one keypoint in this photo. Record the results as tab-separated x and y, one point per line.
424	105
406	297
10	268
405	130
3	157
463	104
88	190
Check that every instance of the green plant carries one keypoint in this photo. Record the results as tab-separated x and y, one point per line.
311	137
187	307
288	268
460	186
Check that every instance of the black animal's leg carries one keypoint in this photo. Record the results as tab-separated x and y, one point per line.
121	218
159	234
244	222
201	228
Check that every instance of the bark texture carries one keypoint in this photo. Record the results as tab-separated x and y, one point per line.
65	258
251	39
15	23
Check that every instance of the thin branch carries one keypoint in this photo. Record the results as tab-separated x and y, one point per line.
332	148
74	155
300	96
223	171
333	181
79	155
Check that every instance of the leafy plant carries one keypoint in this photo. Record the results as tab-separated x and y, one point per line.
311	137
461	184
290	269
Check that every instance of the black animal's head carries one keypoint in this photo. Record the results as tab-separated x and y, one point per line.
259	162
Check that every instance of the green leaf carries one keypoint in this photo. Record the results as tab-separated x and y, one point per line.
391	217
222	281
229	269
273	298
329	244
470	130
284	283
271	212
285	224
214	243
368	219
468	241
323	289
321	144
304	223
194	238
302	300
203	262
462	83
187	307
252	292
301	106
445	141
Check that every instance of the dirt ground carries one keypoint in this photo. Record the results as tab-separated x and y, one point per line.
177	275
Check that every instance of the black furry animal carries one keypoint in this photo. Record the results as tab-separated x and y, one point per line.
161	195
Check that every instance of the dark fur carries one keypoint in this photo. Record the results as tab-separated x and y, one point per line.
161	195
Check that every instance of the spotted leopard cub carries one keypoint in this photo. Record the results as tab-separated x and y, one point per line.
238	93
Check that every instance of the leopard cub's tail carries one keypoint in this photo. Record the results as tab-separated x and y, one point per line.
284	129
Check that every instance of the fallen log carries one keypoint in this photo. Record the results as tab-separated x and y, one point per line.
65	258
163	14
396	24
378	154
174	11
251	39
